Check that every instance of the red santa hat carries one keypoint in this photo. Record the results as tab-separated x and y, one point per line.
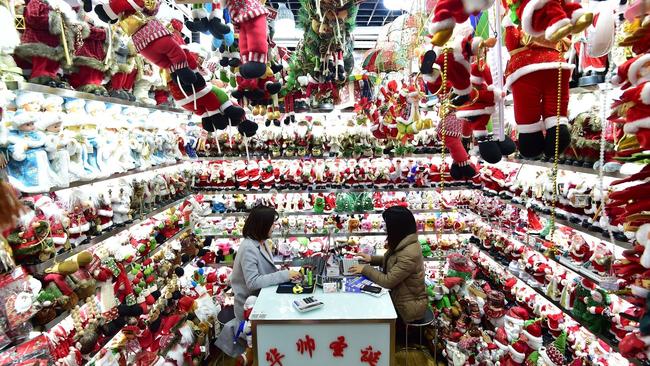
518	351
517	314
629	73
533	332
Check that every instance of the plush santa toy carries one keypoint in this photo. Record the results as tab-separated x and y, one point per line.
41	48
151	38
448	13
539	105
90	59
249	17
478	112
551	19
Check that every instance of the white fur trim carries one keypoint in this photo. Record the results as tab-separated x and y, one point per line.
79	229
507	21
516	356
577	14
476	80
535	67
430	78
479	133
102	227
642	236
645	93
532	338
476	43
550	122
109	11
633	127
197	95
474	112
463	91
225	105
553	28
105	213
199	13
435	27
527	16
530	128
59	240
635	68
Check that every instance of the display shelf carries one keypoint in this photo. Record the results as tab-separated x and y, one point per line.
41	267
611	343
573	168
324	235
576	227
309	157
67	93
82	183
209	192
47	327
564	262
311	213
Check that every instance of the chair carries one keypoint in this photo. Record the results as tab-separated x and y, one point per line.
426	320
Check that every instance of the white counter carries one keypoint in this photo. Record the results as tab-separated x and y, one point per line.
362	320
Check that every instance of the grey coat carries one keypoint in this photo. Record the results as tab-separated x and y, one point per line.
253	270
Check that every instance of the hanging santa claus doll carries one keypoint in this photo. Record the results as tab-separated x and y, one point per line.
536	57
249	18
479	110
448	13
151	38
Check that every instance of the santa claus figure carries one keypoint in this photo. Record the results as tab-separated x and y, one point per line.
551	19
448	13
540	106
478	112
150	37
249	17
47	24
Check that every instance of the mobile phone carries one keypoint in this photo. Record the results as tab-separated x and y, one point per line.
371	289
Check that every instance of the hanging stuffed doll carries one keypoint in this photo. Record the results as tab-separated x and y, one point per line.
151	38
126	70
52	32
249	17
448	13
477	114
533	44
90	61
205	23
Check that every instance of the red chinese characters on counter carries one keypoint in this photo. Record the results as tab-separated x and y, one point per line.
307	345
370	356
274	358
338	346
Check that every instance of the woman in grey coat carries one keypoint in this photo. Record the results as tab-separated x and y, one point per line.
253	270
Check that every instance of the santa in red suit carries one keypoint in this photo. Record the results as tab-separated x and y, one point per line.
448	13
551	19
540	106
249	17
478	111
47	23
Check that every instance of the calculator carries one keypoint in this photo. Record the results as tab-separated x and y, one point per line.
307	304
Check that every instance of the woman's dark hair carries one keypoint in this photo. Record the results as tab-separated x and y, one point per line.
259	222
400	223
